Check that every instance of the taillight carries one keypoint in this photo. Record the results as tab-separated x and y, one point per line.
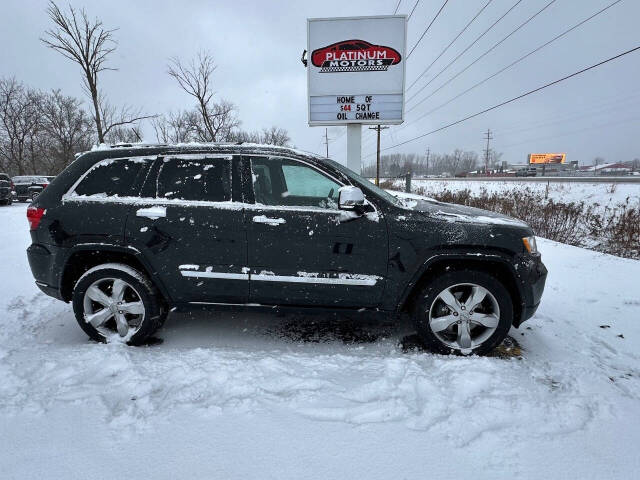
34	215
13	186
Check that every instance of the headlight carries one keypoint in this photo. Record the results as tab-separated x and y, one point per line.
530	244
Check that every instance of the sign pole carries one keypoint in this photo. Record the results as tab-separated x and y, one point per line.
354	146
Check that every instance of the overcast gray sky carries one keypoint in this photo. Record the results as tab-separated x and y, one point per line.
257	47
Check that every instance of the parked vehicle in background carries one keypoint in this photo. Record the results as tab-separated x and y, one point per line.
28	187
6	189
527	172
128	233
36	188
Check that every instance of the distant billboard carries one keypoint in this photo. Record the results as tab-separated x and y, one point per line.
545	158
356	70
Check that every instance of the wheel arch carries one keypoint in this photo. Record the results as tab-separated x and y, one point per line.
84	257
493	264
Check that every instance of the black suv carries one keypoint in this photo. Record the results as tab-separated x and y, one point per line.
28	187
129	233
6	187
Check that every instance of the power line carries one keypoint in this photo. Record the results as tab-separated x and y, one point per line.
451	43
597	107
569	117
511	100
413	9
428	27
469	46
573	132
557	37
397	7
495	45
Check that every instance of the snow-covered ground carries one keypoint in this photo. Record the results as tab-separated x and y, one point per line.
253	396
604	194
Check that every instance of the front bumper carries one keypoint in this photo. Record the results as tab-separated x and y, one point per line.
533	276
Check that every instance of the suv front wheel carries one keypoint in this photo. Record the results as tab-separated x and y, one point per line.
463	312
115	302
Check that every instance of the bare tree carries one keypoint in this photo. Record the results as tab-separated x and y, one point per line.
469	161
174	127
275	136
67	129
123	134
244	136
87	43
19	121
217	119
455	160
120	124
270	136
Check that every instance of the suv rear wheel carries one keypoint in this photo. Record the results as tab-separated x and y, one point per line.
115	302
463	312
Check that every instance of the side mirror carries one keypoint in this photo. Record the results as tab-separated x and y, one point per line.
350	198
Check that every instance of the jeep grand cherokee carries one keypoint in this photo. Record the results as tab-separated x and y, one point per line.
128	233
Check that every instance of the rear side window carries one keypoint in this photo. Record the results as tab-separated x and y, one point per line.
205	180
111	178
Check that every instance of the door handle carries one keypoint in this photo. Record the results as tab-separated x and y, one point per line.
268	221
153	213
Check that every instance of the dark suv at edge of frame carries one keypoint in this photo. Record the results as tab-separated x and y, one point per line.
127	233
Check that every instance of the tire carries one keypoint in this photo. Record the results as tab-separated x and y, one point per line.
450	327
140	311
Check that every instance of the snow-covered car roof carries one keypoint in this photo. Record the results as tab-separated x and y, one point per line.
30	178
231	147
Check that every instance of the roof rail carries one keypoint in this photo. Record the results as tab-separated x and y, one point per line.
137	145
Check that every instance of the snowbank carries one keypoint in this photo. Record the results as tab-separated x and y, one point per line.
237	396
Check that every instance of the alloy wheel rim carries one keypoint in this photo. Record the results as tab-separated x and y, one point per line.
112	306
464	316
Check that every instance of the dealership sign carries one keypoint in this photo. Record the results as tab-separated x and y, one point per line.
356	70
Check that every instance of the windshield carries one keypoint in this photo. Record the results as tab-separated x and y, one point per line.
359	179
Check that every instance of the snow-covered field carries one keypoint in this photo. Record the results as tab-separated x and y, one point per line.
252	396
604	194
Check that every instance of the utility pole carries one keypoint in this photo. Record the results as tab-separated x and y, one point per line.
326	140
488	136
428	155
378	128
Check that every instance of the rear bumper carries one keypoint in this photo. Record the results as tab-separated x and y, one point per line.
42	261
533	279
49	290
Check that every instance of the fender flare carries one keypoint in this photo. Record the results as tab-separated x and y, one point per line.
476	256
115	248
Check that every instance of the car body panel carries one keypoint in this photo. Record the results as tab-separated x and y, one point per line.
198	248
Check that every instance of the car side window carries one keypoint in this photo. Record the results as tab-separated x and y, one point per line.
207	180
111	178
284	182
